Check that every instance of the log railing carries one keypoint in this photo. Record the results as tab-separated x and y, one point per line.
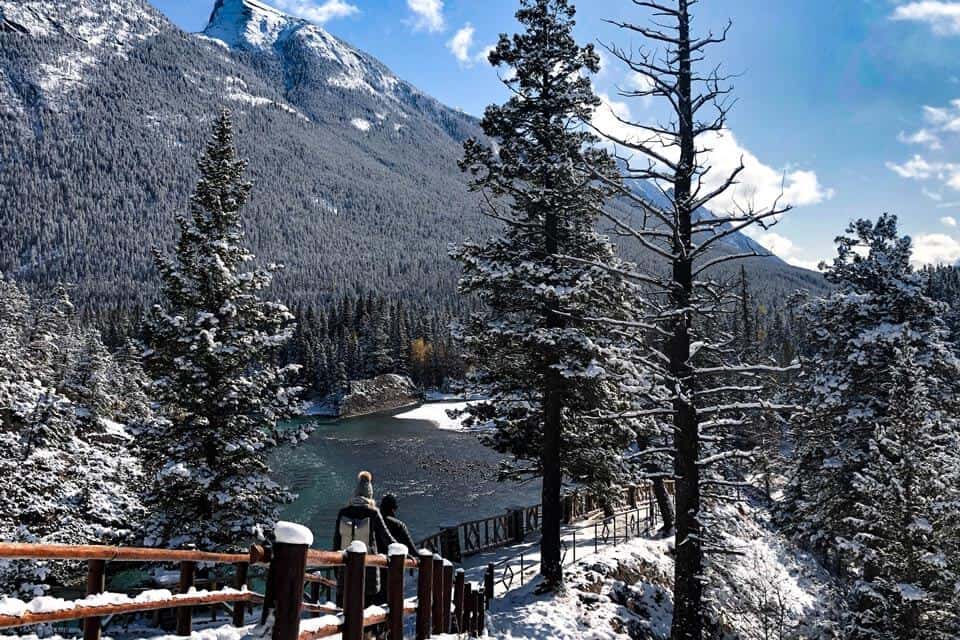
476	536
444	602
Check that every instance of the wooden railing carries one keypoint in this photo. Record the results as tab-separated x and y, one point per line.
445	602
476	536
638	515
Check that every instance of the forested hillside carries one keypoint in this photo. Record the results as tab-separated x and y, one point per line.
103	108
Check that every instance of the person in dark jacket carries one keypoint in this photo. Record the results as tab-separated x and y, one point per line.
399	531
361	521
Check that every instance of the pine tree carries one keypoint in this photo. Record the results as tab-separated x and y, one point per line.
211	348
542	363
853	335
905	518
67	474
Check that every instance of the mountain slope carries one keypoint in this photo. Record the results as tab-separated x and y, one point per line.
105	105
353	188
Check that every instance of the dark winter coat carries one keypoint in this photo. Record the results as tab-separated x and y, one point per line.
401	534
380	537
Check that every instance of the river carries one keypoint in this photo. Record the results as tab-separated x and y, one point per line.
440	475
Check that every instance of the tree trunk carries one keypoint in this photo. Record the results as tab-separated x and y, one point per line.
664	504
688	588
550	553
551	565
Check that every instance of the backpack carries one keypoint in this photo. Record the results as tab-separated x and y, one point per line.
354	529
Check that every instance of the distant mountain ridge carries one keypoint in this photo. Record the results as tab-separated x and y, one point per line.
104	106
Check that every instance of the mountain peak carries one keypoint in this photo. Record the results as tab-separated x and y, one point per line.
249	24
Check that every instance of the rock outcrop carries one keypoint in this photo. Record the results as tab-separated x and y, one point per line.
383	393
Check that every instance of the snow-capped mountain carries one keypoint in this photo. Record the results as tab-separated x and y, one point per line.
256	27
85	33
105	104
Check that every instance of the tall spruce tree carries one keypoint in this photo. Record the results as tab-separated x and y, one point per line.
211	348
880	397
543	364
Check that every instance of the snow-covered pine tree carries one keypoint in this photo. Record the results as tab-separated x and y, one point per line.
67	474
542	363
853	427
852	336
905	519
211	348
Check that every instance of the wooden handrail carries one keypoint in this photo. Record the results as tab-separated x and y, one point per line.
324	580
332	629
78	612
29	551
317	559
285	599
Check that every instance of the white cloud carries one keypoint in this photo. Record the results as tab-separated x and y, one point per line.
941	124
935	248
942	17
428	15
782	247
950	221
604	63
922	137
759	185
919	168
319	12
461	43
944	118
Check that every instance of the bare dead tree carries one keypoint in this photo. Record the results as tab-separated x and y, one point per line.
710	391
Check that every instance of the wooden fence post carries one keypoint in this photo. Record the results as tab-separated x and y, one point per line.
447	595
239	582
481	610
96	583
315	594
458	591
424	593
354	582
288	564
398	555
450	543
437	614
188	569
515	520
569	508
488	583
469	602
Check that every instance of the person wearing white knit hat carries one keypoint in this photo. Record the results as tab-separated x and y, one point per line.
361	521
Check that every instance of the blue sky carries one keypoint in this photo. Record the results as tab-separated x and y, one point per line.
848	103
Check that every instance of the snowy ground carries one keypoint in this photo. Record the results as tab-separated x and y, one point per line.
212	632
766	590
436	412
